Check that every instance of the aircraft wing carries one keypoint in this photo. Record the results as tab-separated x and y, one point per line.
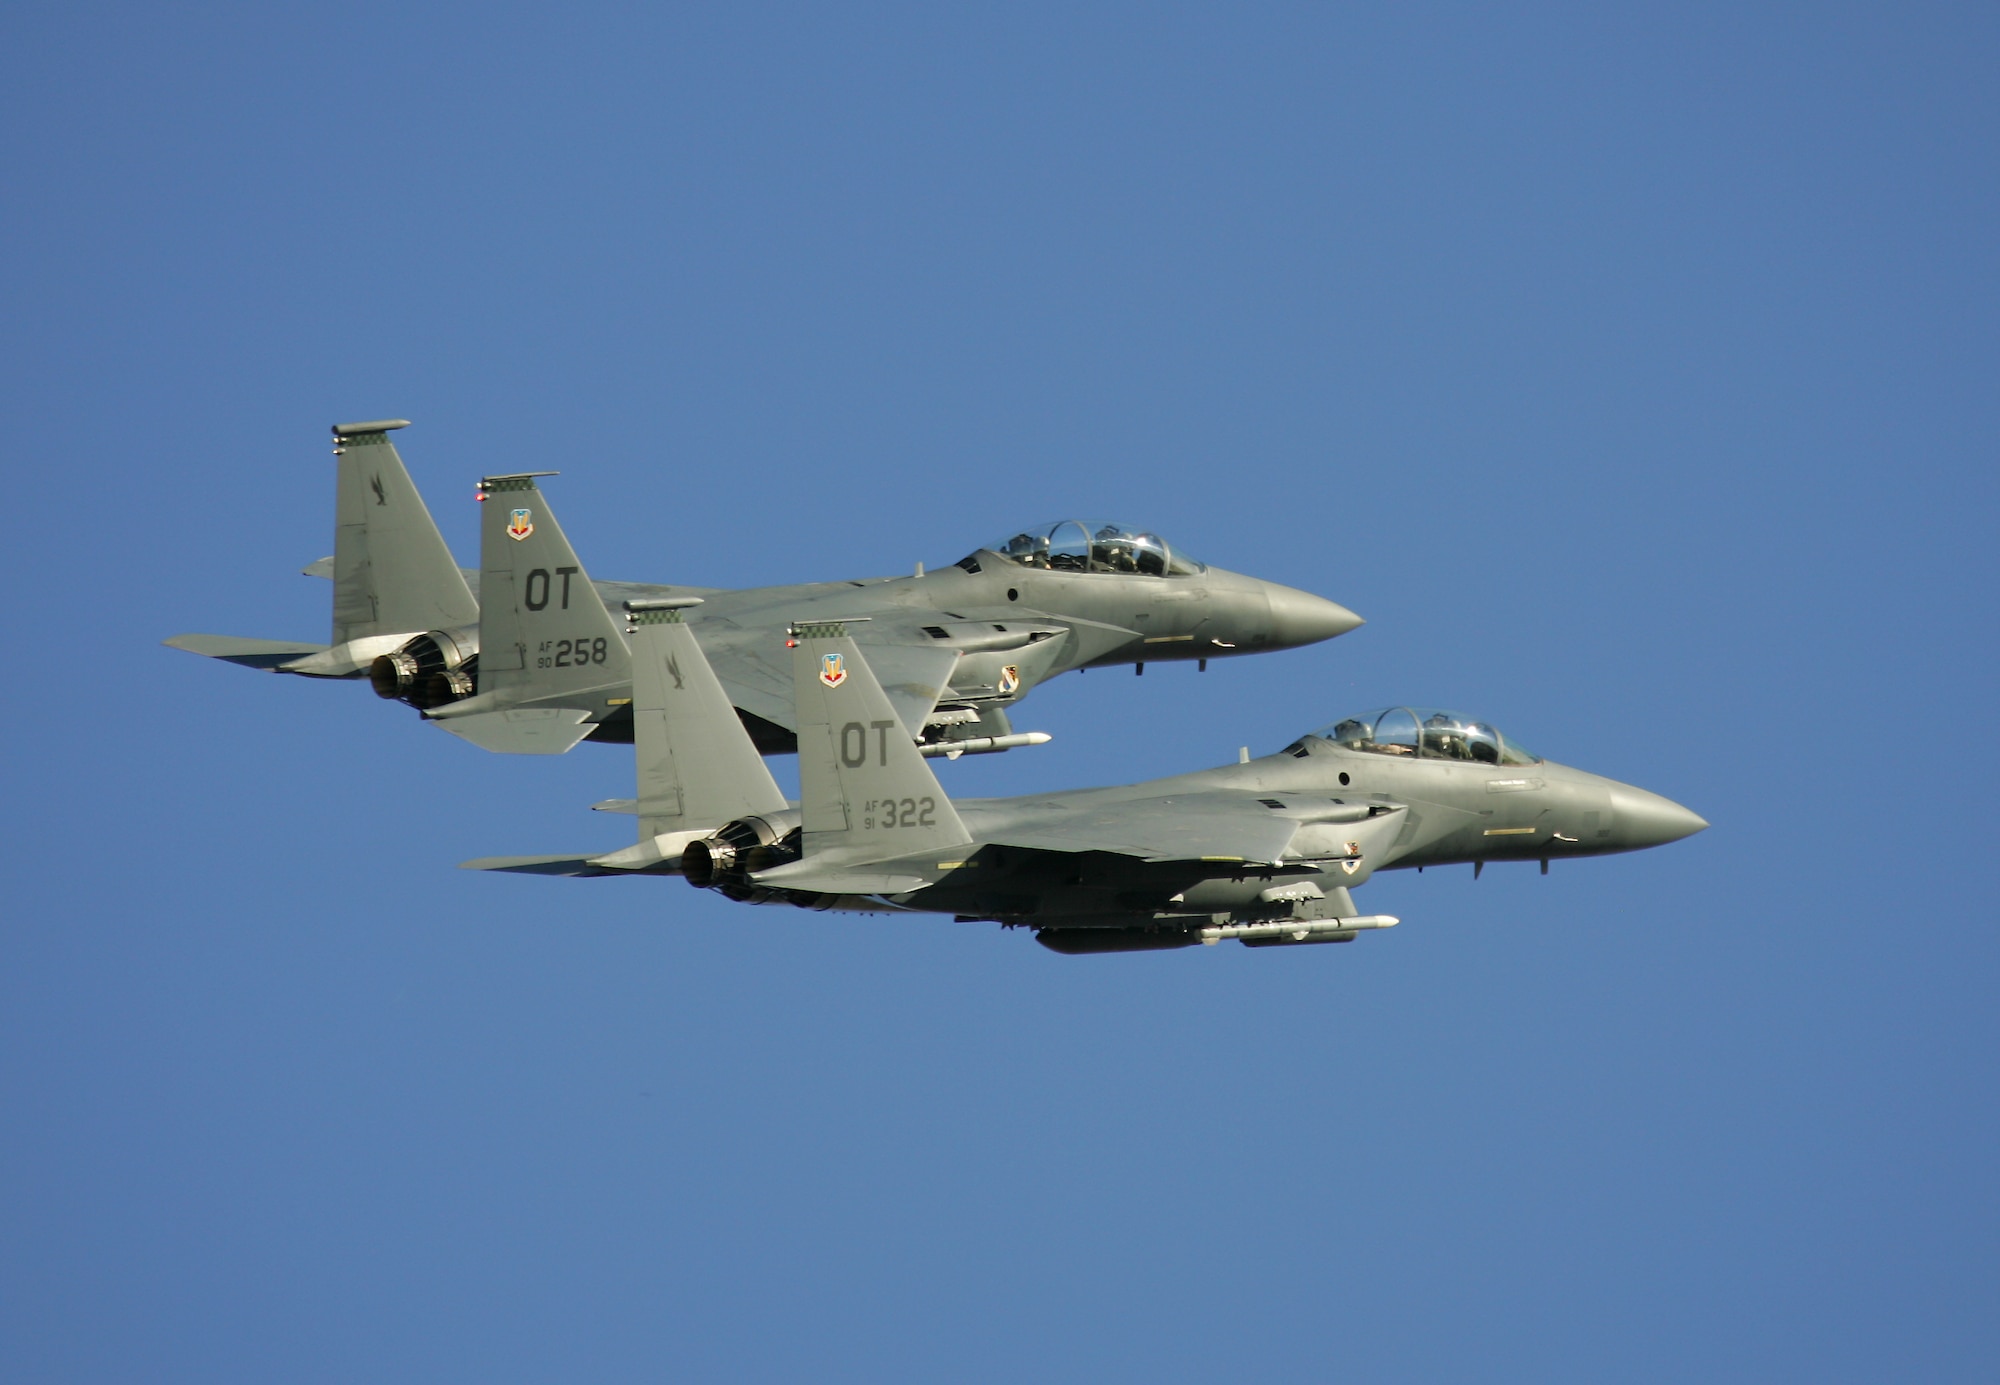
913	677
755	668
1179	827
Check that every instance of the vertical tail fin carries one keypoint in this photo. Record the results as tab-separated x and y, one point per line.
697	766
392	573
865	792
544	635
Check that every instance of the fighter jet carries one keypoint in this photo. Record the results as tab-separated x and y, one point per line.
1266	851
524	656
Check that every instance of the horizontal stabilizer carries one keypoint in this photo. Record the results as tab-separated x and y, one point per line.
522	730
541	865
658	855
234	649
819	878
349	659
322	568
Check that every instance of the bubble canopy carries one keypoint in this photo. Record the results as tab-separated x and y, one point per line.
1430	733
1096	545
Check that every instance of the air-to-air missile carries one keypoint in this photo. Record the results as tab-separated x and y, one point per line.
523	655
1266	851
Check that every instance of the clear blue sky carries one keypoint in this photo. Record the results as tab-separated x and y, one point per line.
1632	371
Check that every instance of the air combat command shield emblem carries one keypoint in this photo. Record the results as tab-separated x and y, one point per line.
1010	679
520	524
832	670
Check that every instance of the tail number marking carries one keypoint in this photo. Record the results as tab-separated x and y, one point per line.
898	812
571	653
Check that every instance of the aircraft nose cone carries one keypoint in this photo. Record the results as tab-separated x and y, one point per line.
1301	618
1642	819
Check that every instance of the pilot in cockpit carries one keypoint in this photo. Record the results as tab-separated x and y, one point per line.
1110	551
1074	545
1021	548
1442	737
1149	554
1482	743
1429	733
1452	738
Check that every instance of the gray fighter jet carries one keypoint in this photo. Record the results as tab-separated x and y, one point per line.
1265	851
524	656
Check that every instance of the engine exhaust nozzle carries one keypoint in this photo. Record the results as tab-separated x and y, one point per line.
705	860
393	675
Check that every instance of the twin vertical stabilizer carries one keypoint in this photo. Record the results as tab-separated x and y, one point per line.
392	573
393	576
697	766
868	799
864	790
543	631
551	659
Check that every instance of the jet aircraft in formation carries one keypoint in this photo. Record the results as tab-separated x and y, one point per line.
868	679
523	655
1266	851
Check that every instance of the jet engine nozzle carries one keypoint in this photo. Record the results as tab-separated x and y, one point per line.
704	860
430	669
451	685
392	675
726	859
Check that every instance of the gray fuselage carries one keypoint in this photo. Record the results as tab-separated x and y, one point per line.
1018	626
1350	814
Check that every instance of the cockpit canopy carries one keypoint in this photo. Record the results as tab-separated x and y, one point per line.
1095	545
1427	732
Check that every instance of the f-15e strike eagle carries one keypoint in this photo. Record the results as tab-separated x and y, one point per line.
1265	851
525	657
